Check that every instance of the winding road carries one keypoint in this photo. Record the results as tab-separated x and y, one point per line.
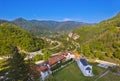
32	54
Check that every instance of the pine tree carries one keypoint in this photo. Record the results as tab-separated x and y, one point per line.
19	69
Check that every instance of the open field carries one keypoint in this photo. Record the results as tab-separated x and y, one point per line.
72	73
110	77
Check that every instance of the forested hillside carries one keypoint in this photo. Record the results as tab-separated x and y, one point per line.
46	28
47	25
98	41
11	36
101	40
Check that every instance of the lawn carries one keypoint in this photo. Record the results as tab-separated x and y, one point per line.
110	77
73	73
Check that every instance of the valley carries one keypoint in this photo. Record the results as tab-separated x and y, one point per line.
59	40
95	41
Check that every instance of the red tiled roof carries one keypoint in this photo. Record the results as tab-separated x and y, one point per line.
55	59
43	68
38	70
65	53
35	68
60	53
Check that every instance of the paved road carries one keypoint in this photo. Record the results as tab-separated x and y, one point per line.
59	43
32	54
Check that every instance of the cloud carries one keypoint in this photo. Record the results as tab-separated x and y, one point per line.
67	19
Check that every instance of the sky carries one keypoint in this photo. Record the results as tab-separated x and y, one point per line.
91	11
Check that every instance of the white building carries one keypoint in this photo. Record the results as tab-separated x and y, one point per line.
105	64
70	56
84	67
44	74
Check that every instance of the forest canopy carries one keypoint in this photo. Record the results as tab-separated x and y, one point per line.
11	36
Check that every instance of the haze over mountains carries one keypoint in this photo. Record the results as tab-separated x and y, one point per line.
37	26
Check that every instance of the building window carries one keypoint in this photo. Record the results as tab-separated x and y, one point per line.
89	71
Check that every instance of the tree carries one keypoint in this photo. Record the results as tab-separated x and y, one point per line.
46	55
86	50
99	55
14	35
116	45
108	54
117	54
38	57
18	69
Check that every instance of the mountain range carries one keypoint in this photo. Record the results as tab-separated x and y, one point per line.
39	27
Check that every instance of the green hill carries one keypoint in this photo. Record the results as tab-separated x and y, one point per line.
11	36
48	25
45	27
100	40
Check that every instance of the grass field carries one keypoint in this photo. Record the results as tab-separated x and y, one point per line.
110	77
73	73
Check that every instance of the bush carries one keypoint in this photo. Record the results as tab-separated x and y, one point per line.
108	54
117	54
38	57
99	55
95	71
113	69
